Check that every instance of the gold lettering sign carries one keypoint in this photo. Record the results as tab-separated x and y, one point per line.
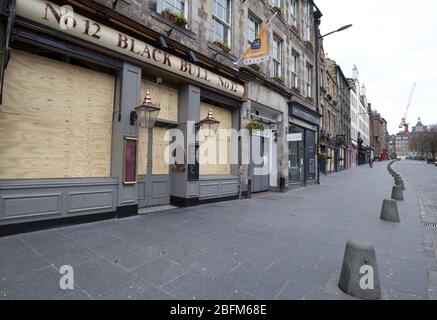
51	15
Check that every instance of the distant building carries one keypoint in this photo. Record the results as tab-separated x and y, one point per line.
401	145
380	136
392	146
337	109
359	115
419	127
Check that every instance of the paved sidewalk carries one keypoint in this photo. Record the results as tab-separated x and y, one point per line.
274	246
422	178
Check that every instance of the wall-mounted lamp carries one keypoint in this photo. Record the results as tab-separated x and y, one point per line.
208	125
146	113
192	57
115	2
162	43
169	32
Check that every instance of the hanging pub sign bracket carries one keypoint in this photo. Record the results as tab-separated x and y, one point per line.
7	18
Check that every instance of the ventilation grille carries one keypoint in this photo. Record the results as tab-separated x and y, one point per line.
430	224
156	209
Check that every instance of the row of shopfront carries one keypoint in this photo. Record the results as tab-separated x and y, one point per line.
70	140
335	155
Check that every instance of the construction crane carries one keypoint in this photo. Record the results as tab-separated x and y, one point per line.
404	123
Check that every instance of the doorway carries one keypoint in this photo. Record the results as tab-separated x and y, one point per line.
261	158
296	155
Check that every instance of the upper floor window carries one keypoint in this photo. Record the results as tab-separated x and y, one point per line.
306	21
252	28
308	81
293	13
222	21
276	3
277	57
294	70
174	6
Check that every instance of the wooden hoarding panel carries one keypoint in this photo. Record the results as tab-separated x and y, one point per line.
55	121
166	97
221	161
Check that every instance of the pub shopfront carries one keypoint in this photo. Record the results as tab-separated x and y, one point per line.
302	144
328	153
71	141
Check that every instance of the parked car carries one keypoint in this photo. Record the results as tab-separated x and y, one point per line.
430	161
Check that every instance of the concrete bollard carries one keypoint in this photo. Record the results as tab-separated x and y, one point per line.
400	183
359	273
397	193
389	211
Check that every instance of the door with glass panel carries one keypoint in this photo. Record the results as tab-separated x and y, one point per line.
296	155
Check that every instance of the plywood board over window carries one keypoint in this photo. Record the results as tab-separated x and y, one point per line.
221	160
55	121
166	97
159	163
142	151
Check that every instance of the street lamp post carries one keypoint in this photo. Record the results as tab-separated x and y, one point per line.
318	37
338	30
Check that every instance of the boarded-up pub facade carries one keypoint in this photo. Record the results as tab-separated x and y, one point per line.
67	138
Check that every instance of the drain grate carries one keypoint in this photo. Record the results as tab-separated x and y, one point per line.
430	224
156	209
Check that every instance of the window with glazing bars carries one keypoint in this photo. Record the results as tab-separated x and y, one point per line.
306	21
252	28
222	21
294	70
175	6
293	13
277	57
308	80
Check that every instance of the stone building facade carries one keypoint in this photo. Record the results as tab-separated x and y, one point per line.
282	91
339	116
392	152
402	145
359	121
185	54
380	136
330	115
344	136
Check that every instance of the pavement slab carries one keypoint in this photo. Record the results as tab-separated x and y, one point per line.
272	246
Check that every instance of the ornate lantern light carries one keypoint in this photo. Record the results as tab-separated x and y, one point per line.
146	113
208	125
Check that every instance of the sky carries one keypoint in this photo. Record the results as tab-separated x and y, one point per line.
393	43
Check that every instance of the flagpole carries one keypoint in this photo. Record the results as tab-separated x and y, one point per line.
272	17
267	24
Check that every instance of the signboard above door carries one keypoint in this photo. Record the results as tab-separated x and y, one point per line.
261	133
50	15
294	137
